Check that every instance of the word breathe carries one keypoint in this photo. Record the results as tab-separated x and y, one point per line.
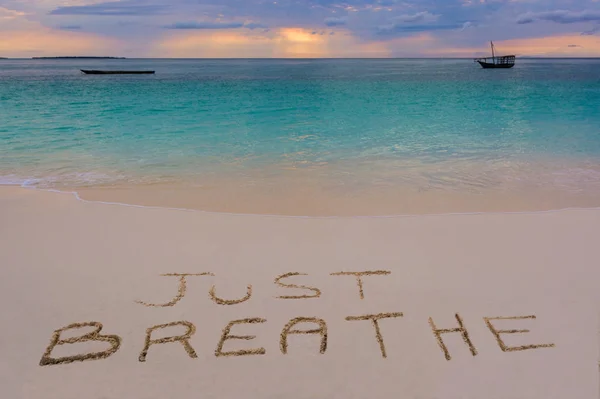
298	325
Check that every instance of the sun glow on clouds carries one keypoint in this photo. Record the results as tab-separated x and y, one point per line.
291	42
297	35
297	42
6	13
212	44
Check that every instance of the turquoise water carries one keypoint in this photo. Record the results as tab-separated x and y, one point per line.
441	124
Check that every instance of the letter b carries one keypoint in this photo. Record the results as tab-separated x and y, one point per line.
114	340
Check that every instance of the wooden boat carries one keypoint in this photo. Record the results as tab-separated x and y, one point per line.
76	57
99	72
504	61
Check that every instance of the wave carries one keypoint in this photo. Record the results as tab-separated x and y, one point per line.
17	181
74	179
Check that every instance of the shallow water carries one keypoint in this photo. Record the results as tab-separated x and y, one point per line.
343	128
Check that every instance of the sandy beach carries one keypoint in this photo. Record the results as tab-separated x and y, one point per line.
112	301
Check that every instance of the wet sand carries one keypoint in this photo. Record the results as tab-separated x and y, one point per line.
313	200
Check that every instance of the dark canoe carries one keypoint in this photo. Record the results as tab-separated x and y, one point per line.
99	72
488	65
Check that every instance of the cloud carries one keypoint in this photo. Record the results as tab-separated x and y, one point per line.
377	22
335	21
466	25
279	43
400	28
419	22
592	31
70	27
254	25
205	25
424	16
216	25
573	45
6	13
111	8
559	16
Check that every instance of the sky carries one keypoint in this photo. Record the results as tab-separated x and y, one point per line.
299	28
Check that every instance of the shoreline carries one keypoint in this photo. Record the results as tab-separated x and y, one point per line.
375	188
78	197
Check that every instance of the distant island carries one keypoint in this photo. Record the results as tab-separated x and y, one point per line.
77	58
3	58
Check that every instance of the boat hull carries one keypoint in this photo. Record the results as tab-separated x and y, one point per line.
489	65
98	72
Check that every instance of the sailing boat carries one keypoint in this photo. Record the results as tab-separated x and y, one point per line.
505	61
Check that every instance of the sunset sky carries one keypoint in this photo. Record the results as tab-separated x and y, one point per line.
299	28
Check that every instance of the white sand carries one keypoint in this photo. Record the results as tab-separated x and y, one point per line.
66	261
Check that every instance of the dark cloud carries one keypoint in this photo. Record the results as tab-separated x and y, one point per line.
401	28
559	16
573	45
111	8
205	25
69	27
335	21
254	25
423	16
388	3
592	31
216	25
418	22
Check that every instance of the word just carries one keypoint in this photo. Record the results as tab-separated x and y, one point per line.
314	292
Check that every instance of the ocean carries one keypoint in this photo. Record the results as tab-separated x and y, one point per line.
344	129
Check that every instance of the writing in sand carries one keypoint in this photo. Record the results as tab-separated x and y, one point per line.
297	325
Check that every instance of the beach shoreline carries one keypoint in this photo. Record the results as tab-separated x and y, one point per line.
374	188
310	201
